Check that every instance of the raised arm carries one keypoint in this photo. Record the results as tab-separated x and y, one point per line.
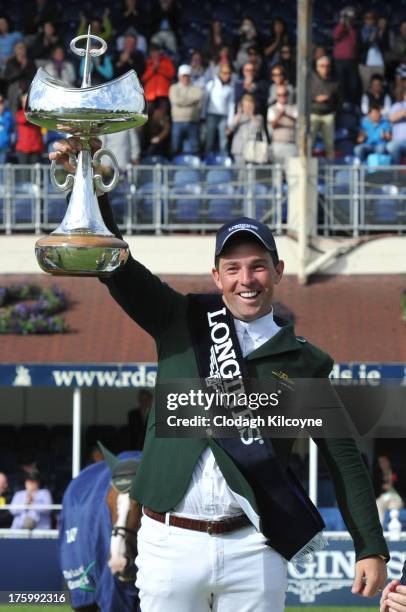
144	297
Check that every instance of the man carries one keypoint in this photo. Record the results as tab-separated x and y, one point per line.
201	544
18	74
397	116
374	135
324	101
250	84
130	58
282	126
345	54
376	95
218	109
186	104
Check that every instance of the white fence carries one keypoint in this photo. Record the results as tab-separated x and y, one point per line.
168	198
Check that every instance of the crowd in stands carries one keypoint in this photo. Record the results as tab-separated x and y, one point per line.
218	86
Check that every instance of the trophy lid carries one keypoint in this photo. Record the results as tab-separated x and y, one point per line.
89	110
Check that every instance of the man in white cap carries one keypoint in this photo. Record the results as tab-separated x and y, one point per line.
186	102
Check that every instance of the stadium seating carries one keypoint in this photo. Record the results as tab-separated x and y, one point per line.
184	207
187	160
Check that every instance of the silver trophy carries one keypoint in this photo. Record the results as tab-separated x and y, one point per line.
82	244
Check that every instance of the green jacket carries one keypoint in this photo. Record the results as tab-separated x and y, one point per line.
168	463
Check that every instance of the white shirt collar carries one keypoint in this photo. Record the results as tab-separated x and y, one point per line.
260	330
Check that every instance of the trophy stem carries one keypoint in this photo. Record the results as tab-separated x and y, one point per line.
83	215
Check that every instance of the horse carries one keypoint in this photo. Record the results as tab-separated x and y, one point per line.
97	536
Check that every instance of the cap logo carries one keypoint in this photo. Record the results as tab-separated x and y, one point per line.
242	225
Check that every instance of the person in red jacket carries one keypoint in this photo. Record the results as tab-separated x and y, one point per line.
158	75
29	143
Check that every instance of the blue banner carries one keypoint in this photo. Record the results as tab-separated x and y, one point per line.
107	375
327	580
126	375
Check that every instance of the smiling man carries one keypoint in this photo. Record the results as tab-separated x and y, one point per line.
221	518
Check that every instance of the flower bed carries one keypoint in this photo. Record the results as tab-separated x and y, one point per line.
30	309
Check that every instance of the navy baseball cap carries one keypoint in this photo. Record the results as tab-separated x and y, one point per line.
251	226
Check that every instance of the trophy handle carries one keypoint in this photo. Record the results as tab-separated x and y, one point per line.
97	178
67	185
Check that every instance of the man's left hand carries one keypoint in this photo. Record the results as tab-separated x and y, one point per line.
370	576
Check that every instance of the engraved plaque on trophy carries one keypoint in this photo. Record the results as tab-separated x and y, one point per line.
82	245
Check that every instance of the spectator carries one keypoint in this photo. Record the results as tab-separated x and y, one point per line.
5	516
278	78
158	75
279	38
250	84
246	126
186	104
29	144
345	55
42	45
59	68
6	130
138	417
324	101
8	40
130	58
399	83
99	27
165	13
371	50
288	63
31	494
165	38
157	129
125	146
248	37
374	135
132	15
386	38
198	69
101	69
222	57
389	498
318	52
37	13
19	72
141	44
218	109
397	116
216	40
281	119
376	95
399	44
255	57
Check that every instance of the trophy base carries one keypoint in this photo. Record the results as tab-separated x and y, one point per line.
81	254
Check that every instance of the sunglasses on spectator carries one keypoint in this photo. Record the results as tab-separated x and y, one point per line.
282	95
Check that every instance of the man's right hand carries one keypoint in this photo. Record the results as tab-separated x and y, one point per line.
62	149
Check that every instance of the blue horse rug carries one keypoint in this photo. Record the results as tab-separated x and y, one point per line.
84	543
